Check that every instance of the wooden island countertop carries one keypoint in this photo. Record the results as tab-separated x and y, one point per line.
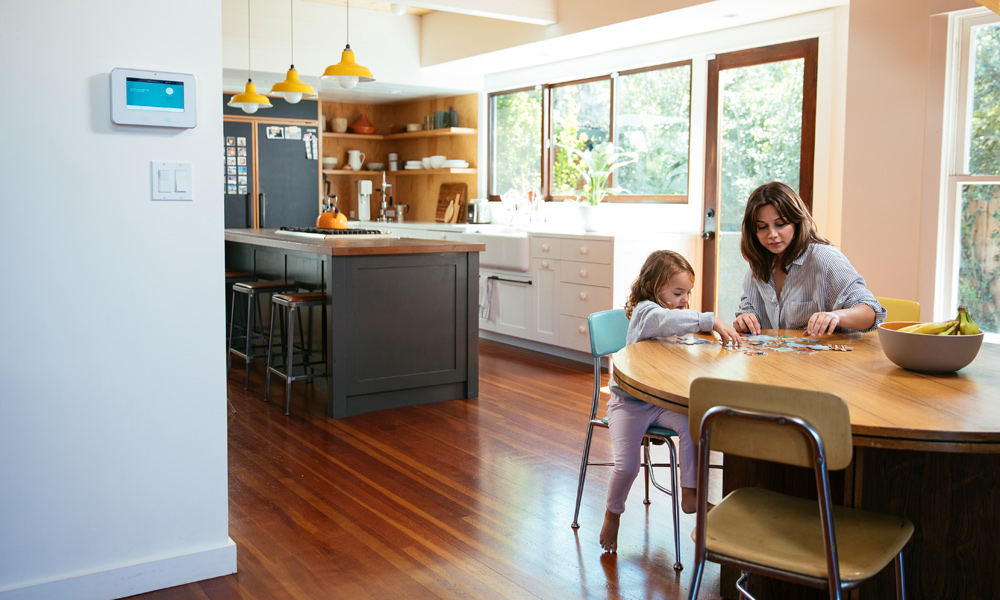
348	245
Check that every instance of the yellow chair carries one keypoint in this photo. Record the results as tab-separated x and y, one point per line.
900	310
761	531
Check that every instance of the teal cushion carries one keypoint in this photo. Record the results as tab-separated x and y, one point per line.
653	429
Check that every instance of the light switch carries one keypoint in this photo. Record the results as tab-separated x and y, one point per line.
163	183
181	180
171	180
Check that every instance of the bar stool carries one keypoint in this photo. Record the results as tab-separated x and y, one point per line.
287	304
251	290
233	276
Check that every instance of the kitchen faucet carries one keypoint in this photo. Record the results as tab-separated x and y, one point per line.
383	209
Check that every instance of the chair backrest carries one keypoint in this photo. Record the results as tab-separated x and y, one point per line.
900	310
608	330
763	440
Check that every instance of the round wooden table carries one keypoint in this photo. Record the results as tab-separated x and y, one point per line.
927	446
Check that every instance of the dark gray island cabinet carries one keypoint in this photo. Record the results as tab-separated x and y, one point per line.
402	318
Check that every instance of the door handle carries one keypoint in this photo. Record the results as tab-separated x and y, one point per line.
262	213
708	232
249	209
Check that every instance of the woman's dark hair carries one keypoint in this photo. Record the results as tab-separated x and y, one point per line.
656	272
793	210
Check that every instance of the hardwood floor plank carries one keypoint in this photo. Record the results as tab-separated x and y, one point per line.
467	499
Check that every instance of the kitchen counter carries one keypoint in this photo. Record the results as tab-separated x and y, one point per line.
348	245
402	314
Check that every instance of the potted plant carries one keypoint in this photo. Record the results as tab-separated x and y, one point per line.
595	166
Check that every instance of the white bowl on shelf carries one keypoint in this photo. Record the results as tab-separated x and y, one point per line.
425	162
437	160
455	164
330	163
414	126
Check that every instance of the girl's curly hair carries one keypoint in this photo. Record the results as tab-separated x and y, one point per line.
656	272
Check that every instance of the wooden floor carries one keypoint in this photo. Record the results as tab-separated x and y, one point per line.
461	499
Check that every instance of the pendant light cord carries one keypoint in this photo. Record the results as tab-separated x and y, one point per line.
292	28
248	40
348	21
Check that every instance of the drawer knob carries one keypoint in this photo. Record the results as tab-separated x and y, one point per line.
545	264
583	328
583	273
584	250
545	248
583	296
444	236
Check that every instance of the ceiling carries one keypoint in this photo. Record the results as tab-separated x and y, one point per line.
376	5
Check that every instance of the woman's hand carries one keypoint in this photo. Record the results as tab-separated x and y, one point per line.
822	323
747	323
726	332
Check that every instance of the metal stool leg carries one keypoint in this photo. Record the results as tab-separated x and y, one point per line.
251	300
229	353
291	352
270	344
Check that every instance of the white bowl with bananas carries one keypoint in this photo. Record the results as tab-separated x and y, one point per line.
941	347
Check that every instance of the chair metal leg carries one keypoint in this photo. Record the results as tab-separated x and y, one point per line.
583	474
647	467
675	499
231	407
270	345
900	578
743	585
291	352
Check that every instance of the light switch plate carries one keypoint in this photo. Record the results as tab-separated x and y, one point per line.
178	179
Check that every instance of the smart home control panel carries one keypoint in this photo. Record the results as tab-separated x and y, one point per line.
153	98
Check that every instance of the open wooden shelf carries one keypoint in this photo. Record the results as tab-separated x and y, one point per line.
411	135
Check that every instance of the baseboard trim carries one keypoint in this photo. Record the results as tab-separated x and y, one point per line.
134	579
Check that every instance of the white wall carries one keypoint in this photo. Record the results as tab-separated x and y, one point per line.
113	412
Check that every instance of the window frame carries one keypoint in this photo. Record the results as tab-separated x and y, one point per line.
959	114
548	154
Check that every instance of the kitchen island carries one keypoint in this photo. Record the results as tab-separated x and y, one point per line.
402	323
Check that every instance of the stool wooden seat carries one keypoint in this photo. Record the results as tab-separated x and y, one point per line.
251	290
287	304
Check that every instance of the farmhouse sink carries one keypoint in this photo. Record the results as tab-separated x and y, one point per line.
506	248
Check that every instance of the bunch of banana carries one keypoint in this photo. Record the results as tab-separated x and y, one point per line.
962	324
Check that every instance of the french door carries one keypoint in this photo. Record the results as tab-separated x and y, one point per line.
761	127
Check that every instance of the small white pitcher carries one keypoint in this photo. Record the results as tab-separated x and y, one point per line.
355	159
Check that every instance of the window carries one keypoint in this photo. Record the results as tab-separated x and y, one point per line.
516	141
973	191
644	110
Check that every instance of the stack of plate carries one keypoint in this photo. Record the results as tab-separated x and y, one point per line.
413	165
455	164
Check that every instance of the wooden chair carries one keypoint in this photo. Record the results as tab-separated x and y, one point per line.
608	330
900	310
805	541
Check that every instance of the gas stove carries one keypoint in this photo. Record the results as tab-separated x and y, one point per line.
322	234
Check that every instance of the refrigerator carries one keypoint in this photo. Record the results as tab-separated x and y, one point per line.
272	166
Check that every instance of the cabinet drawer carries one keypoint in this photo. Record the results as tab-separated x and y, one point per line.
582	300
585	273
598	251
574	333
543	247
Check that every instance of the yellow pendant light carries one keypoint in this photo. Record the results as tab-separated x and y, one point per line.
249	101
348	72
292	89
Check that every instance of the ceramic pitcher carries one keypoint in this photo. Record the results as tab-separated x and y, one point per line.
355	158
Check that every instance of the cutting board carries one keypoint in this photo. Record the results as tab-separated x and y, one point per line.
456	194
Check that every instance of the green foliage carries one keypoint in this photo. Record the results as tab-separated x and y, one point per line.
596	165
761	132
984	138
976	280
581	118
517	146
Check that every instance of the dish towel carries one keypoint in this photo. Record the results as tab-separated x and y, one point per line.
485	296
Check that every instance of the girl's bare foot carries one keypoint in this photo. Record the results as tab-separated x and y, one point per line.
689	501
609	532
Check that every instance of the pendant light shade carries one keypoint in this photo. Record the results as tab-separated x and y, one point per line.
292	89
348	72
249	101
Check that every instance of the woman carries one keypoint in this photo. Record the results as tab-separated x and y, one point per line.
796	278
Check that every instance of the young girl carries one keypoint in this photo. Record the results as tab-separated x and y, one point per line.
656	307
796	278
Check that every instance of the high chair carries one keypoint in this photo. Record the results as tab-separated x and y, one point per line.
805	541
608	330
